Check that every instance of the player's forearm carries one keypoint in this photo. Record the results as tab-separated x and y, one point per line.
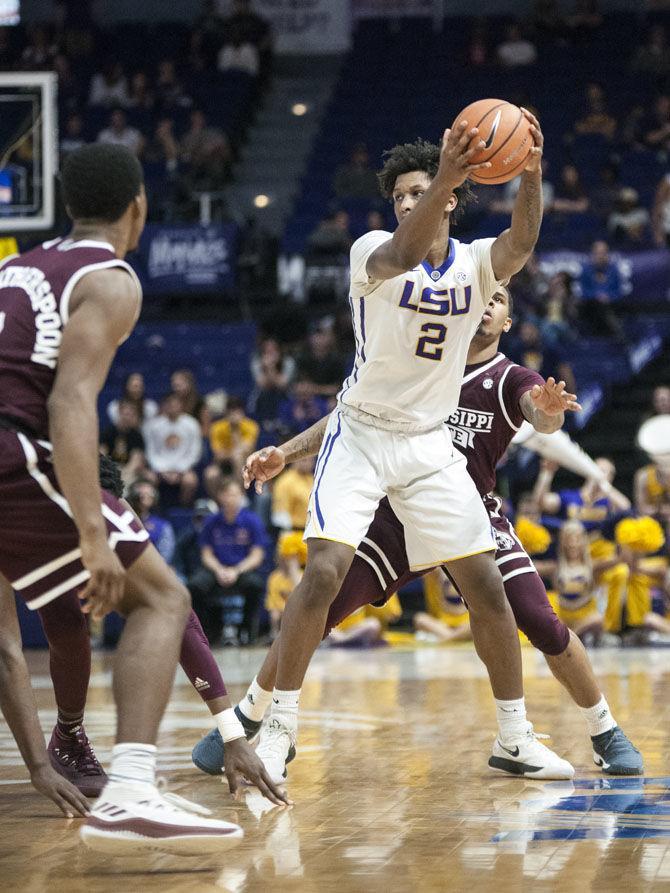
73	430
545	423
308	443
19	709
414	236
527	213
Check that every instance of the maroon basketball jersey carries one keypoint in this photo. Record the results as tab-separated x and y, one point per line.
489	415
35	290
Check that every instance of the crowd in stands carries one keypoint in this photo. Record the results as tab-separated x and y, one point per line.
181	104
604	557
172	101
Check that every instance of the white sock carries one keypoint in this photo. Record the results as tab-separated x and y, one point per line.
133	763
285	707
512	721
255	702
598	718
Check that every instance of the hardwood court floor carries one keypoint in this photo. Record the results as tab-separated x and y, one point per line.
392	791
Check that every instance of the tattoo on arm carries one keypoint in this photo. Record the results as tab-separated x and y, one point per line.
307	443
541	421
527	213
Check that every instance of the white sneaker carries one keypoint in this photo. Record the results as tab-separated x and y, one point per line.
276	748
529	757
132	818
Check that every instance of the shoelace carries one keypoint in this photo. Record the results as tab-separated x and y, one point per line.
272	744
81	756
177	802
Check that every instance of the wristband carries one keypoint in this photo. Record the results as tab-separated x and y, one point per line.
229	725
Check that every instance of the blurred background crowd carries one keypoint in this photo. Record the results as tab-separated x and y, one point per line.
285	148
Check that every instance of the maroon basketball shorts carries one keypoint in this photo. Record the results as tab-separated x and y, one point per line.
39	542
380	568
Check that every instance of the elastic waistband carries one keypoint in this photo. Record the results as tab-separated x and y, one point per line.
395	426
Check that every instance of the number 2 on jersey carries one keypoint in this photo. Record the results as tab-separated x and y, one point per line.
429	346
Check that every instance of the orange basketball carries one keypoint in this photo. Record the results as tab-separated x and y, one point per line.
506	132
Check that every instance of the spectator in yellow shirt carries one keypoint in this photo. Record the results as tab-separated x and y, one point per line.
231	439
290	495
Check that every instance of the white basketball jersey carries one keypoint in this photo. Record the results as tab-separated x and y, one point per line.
412	334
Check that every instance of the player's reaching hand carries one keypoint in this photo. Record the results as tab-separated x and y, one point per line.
262	466
458	147
551	398
535	156
241	761
67	798
105	589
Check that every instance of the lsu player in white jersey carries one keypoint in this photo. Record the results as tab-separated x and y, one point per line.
417	296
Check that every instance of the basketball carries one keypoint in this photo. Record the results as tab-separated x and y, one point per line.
506	132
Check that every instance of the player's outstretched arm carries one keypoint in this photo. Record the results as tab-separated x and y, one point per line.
20	713
416	233
103	309
265	464
544	406
514	246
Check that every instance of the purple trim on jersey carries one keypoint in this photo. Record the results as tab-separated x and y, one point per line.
451	257
360	351
362	310
319	513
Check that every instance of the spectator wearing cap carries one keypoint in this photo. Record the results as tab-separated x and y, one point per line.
187	558
321	362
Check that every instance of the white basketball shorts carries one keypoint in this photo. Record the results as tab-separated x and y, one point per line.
424	477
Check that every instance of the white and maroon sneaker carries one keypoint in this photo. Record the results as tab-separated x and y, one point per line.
133	818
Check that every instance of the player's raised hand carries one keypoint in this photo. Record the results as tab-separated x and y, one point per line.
241	760
535	156
106	586
552	398
262	466
459	144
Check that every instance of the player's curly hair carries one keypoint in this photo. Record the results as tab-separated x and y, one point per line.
419	156
99	181
110	476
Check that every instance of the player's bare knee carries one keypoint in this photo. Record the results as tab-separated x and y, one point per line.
321	581
480	582
179	602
